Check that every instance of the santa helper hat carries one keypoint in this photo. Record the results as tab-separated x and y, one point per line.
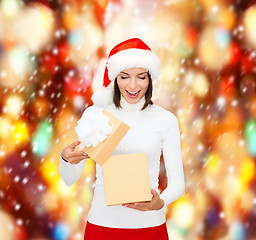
130	53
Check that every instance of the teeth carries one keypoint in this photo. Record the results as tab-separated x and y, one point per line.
133	92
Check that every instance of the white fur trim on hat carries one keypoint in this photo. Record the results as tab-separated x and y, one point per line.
133	57
102	97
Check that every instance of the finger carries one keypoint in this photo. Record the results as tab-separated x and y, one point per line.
155	193
143	204
76	162
78	154
74	144
75	159
128	204
139	204
137	207
84	154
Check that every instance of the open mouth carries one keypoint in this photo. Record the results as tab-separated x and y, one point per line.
133	94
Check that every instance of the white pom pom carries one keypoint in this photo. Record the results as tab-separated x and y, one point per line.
103	96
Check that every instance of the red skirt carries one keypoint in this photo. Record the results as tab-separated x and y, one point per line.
95	232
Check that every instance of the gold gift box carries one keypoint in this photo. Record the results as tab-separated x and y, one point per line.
126	179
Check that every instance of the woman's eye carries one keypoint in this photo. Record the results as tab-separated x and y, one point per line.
127	77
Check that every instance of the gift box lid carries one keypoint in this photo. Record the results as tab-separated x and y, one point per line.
103	150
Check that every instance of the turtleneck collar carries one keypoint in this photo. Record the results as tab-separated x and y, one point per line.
132	106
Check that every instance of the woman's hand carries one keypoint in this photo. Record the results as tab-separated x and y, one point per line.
71	156
156	203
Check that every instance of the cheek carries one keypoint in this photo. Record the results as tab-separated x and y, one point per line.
121	85
145	86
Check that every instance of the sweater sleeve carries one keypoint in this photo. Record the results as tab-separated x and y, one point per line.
70	173
173	164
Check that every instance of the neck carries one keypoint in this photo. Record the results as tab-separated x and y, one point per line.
134	106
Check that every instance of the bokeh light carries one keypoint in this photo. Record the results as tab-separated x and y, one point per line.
14	67
42	138
60	232
20	132
13	105
214	47
249	24
34	38
10	8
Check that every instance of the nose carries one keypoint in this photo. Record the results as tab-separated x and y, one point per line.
132	83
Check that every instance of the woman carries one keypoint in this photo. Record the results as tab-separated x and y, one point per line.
132	66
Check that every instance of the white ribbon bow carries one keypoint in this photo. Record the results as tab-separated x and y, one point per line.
92	129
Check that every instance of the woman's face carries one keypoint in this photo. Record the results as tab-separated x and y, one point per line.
133	84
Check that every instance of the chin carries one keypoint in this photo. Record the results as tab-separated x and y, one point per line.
133	100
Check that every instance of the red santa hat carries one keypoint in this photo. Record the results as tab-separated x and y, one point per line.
130	53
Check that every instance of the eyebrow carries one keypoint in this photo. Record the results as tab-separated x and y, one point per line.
138	74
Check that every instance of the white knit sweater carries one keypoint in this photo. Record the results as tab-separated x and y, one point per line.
152	129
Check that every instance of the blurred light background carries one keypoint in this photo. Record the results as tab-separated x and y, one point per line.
52	59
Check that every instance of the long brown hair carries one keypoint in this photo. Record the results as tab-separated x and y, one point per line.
148	94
